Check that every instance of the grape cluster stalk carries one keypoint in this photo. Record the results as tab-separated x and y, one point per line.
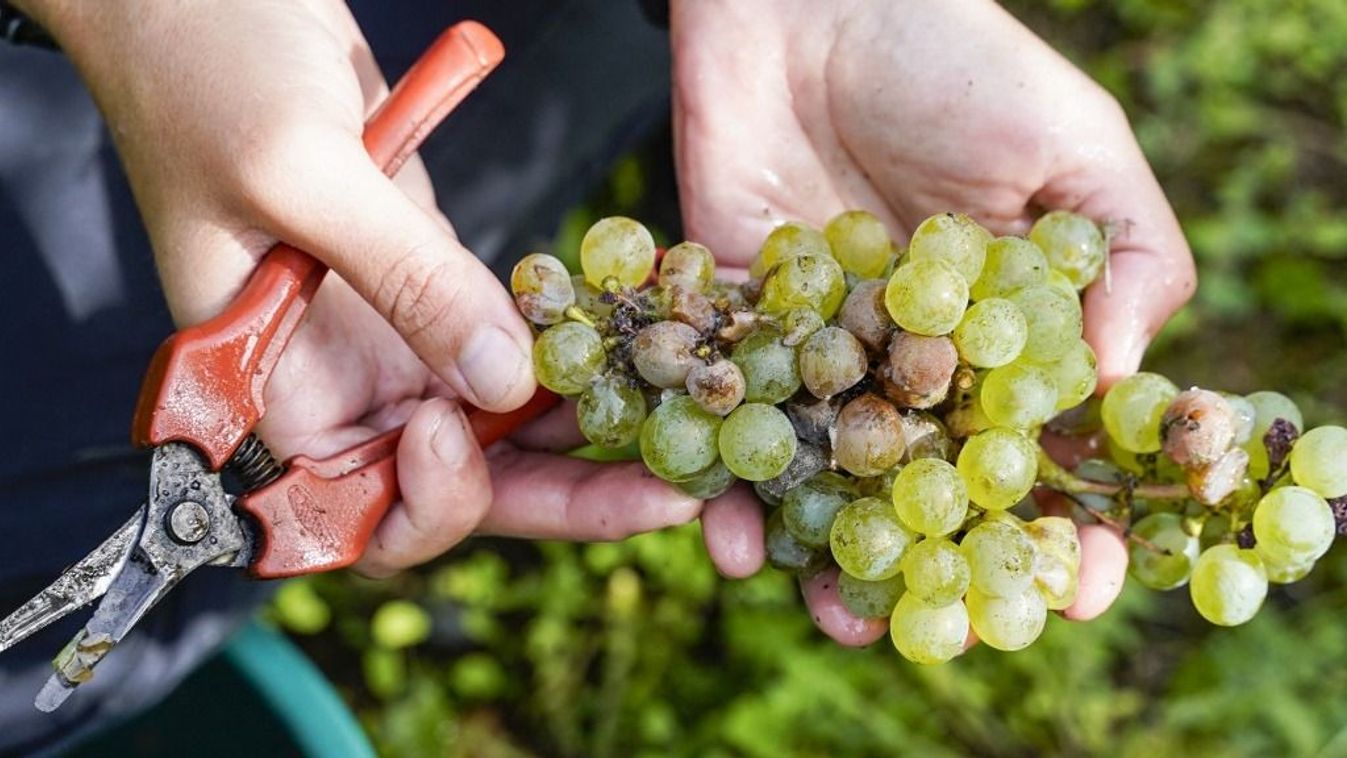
886	403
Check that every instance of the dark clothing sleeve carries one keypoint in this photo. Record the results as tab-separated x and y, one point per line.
82	309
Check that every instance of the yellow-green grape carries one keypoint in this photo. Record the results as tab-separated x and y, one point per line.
687	265
1075	373
664	352
930	498
713	482
771	371
617	247
787	241
589	298
1054	320
787	553
926	297
1319	461
1286	573
1020	395
542	288
860	243
1058	280
1293	525
999	467
868	438
1151	566
867	539
1074	245
928	634
1133	408
1007	623
953	238
991	334
1268	407
804	281
610	412
1012	263
567	357
935	571
717	387
832	361
1228	585
809	509
679	439
1056	559
869	600
1000	558
757	442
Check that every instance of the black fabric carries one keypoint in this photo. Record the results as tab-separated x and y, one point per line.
81	310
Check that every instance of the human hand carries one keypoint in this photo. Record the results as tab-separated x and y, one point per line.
239	125
794	110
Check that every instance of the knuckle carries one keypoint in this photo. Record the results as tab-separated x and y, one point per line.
417	293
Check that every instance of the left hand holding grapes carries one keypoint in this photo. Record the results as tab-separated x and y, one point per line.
795	110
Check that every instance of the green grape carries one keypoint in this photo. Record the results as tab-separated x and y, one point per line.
787	241
1007	623
930	498
567	357
1244	416
1058	280
771	370
1056	559
717	387
928	634
1228	585
1074	245
617	247
927	297
809	509
867	539
678	439
1012	263
805	281
757	442
1156	569
869	600
712	482
664	352
590	299
953	238
1133	408
1020	395
999	467
687	265
1000	558
799	324
1293	525
542	288
610	412
1075	373
868	436
860	243
787	553
991	334
935	571
1268	407
1053	318
832	361
1319	461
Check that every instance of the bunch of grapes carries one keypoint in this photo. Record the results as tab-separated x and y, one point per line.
886	404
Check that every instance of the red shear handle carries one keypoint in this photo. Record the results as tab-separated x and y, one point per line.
204	385
320	514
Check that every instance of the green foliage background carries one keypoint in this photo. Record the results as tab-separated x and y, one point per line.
638	648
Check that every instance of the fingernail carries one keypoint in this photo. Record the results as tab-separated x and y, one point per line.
492	363
449	438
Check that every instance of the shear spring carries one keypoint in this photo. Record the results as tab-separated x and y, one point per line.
253	465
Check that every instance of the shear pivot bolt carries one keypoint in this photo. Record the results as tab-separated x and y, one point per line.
188	522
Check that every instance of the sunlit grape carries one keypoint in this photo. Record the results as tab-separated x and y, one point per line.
757	442
1168	554
1293	525
1319	461
1053	318
542	288
1019	395
1073	244
787	241
991	334
1133	408
1000	558
999	467
610	412
1010	622
687	265
1228	585
1012	263
679	439
617	247
860	243
930	498
867	539
928	634
926	297
953	238
936	571
770	368
1075	373
567	357
804	281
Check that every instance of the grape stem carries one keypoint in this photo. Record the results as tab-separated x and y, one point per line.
1053	476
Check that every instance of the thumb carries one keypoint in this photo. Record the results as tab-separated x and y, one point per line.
1150	272
406	263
